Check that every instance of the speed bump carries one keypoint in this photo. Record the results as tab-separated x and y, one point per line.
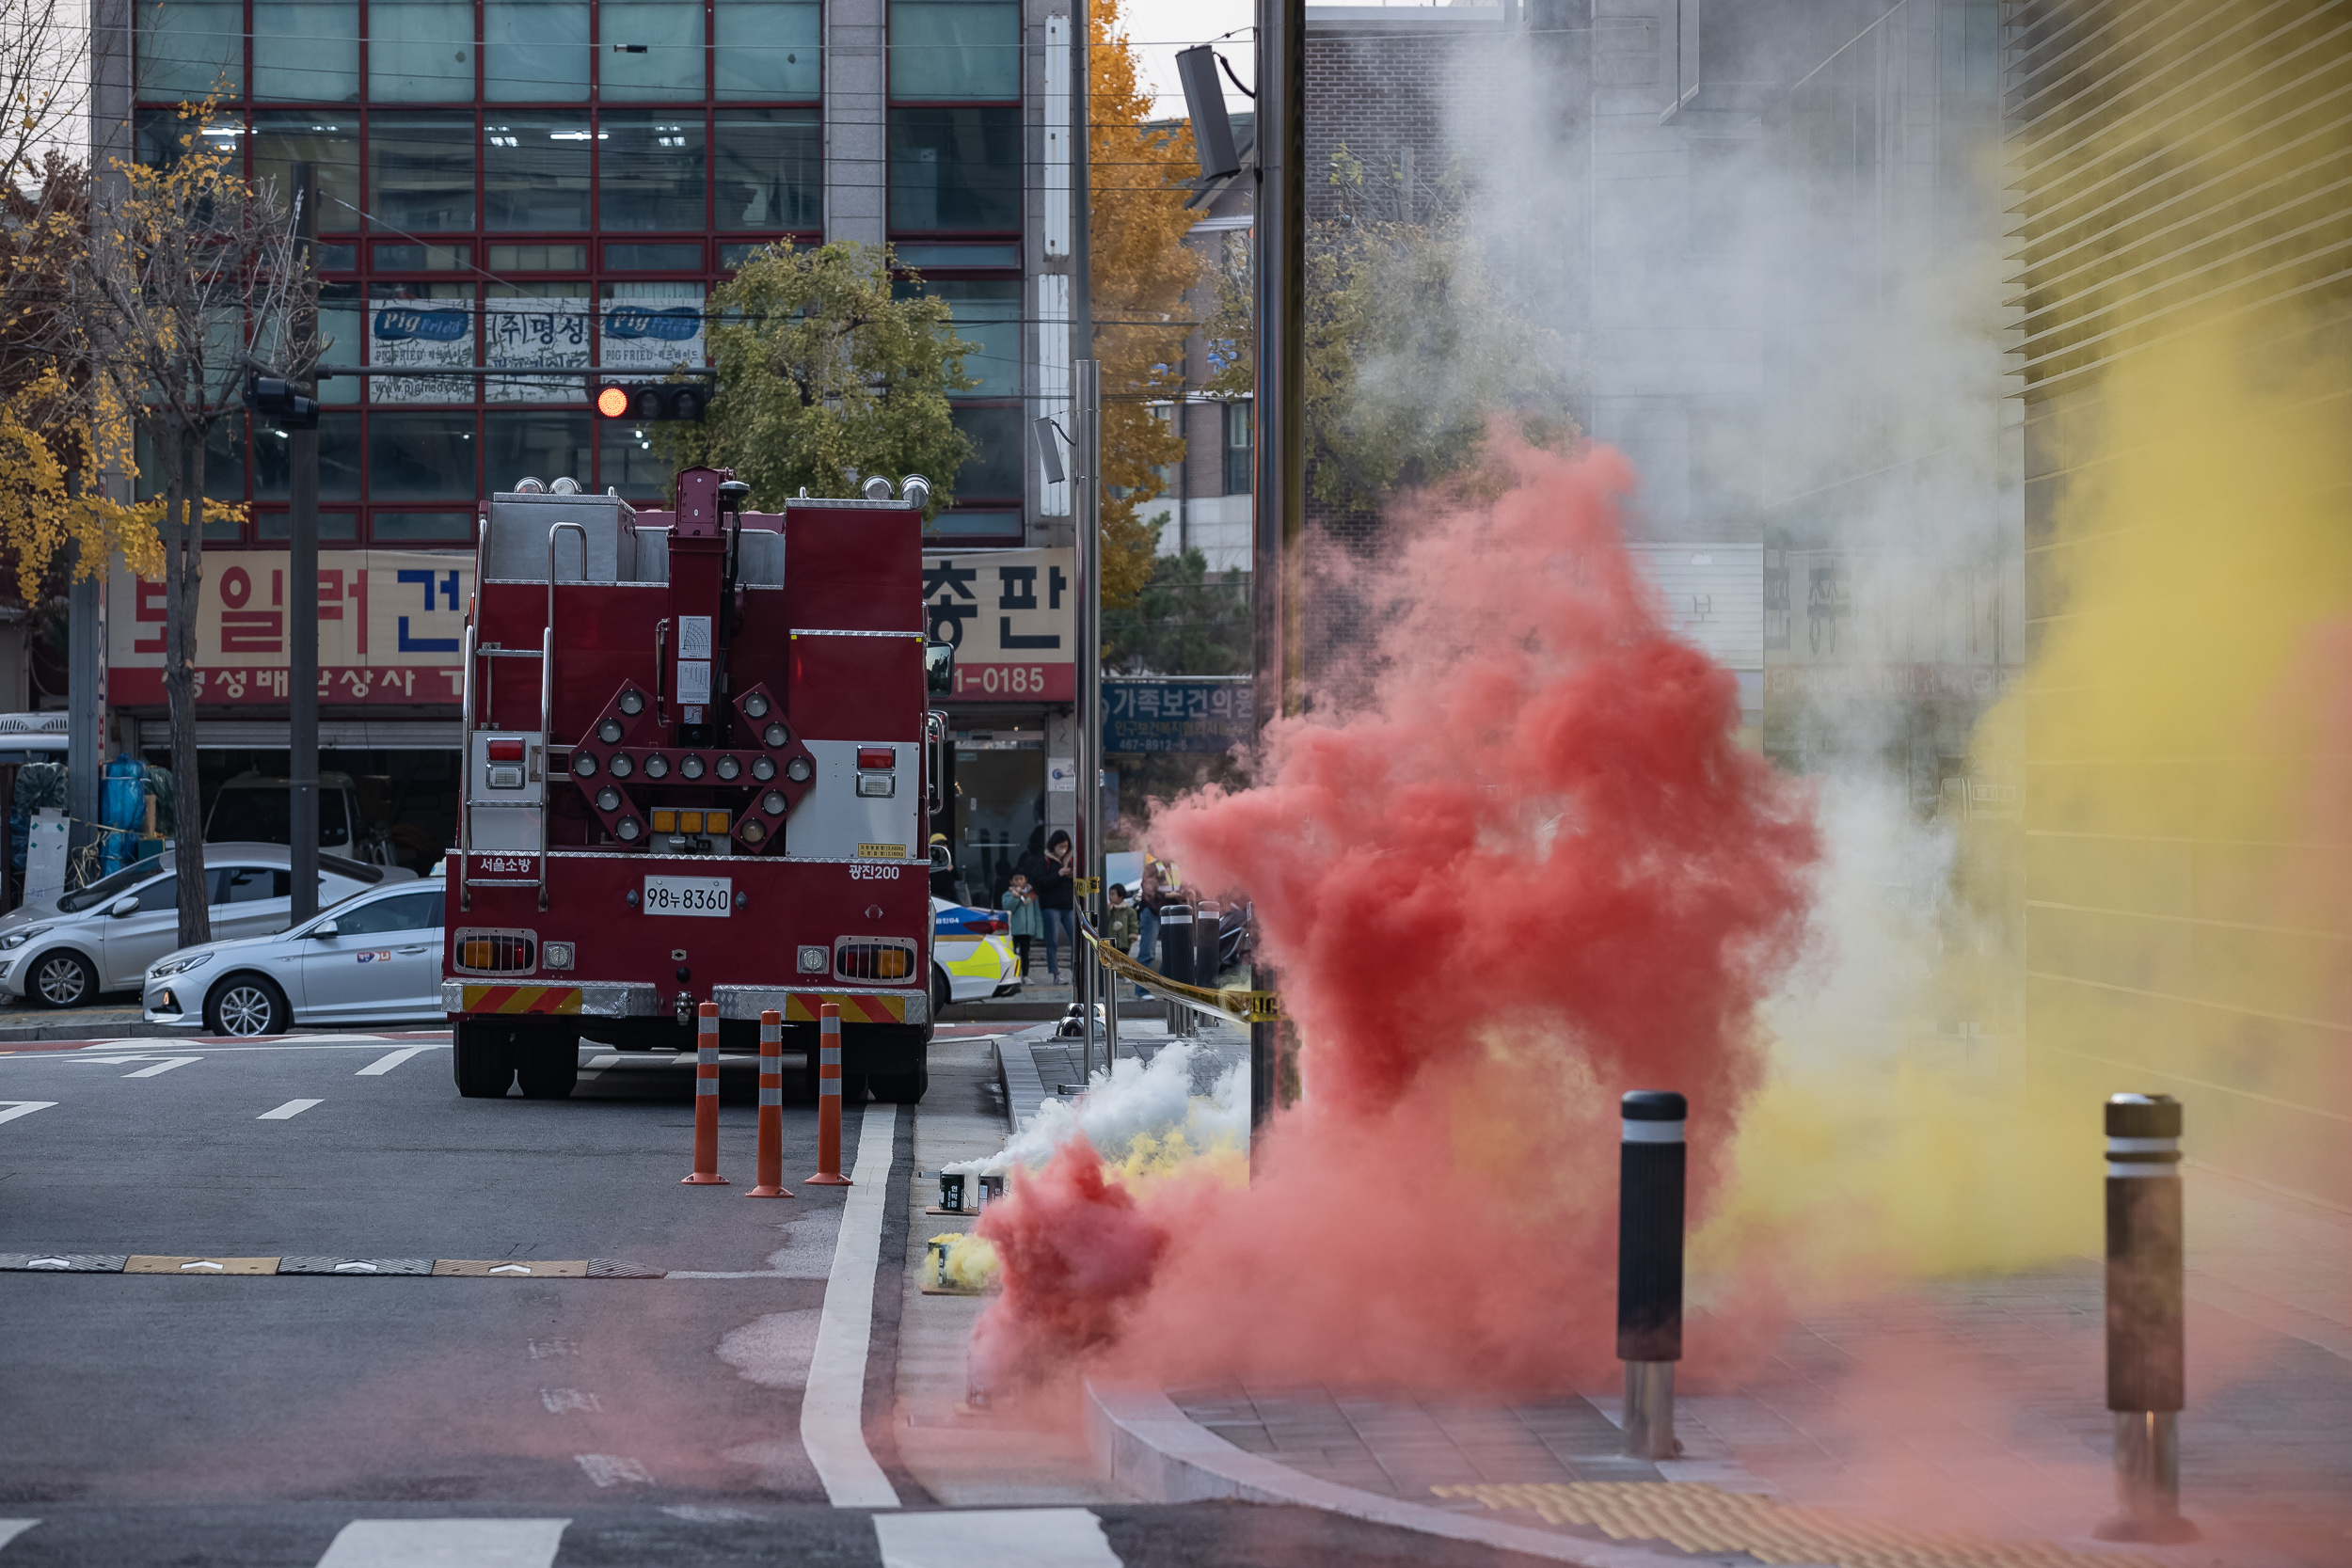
509	1268
150	1263
317	1266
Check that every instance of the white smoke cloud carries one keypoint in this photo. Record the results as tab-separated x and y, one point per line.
1132	1099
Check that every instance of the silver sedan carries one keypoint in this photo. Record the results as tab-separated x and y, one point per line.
374	958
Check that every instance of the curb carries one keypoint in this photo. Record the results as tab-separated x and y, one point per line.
1140	1440
1016	1069
132	1027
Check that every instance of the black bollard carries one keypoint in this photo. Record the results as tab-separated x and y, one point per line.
2146	1342
1176	959
1650	1164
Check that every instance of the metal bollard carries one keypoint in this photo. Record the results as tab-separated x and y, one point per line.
769	1163
829	1099
1650	1168
2146	1342
1176	943
705	1172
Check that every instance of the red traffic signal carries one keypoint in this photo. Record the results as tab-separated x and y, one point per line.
653	403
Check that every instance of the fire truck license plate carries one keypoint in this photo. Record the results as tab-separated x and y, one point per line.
689	896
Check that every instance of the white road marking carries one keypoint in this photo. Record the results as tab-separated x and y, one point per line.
289	1110
560	1400
385	1062
994	1538
833	1418
610	1470
609	1058
446	1544
16	1108
11	1529
163	1067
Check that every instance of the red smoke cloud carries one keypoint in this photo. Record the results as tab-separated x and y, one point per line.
1531	871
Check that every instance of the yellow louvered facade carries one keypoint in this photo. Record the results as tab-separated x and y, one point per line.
2181	178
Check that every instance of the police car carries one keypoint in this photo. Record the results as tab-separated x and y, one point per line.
972	958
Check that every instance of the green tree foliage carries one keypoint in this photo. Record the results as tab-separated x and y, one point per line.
1182	622
1414	346
825	377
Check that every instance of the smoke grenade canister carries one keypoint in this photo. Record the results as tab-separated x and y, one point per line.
2146	1336
1651	1169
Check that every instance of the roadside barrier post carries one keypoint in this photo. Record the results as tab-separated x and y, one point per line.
1650	1169
706	1173
1176	958
1111	988
828	1099
769	1163
2146	1342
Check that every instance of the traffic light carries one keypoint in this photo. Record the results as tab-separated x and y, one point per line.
653	403
272	398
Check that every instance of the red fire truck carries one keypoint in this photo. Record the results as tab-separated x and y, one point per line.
698	769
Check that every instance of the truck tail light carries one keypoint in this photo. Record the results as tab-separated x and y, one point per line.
867	958
754	833
878	757
497	952
505	750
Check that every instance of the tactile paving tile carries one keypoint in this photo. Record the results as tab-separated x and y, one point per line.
360	1266
618	1268
64	1262
1698	1518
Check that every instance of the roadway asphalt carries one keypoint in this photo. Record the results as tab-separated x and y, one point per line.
517	1421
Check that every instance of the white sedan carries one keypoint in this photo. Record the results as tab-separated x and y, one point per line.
374	958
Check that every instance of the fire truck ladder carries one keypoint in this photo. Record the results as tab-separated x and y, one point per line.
544	654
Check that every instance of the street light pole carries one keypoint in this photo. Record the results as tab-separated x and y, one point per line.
1086	507
1279	498
302	566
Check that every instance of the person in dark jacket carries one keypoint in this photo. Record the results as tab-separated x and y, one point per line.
1049	877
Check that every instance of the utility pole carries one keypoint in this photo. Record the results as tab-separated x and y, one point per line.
1085	506
85	701
302	566
1280	497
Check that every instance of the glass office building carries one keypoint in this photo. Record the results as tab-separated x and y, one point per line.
537	185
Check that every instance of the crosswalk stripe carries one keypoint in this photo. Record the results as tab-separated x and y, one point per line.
391	1059
163	1067
994	1538
446	1544
289	1110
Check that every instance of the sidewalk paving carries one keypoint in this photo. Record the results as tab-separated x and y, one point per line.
1975	1402
1961	1421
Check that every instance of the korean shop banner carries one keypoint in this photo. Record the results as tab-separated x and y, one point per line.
1176	715
391	628
1011	615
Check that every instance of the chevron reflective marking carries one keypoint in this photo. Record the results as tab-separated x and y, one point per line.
520	999
805	1007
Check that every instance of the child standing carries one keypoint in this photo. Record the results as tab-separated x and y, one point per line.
1022	918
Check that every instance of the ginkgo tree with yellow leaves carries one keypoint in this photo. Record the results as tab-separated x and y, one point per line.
1142	270
184	276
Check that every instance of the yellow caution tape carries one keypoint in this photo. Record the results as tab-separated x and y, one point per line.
1234	1001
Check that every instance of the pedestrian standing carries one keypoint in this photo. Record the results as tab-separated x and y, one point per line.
1148	913
1022	918
1057	902
1121	926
